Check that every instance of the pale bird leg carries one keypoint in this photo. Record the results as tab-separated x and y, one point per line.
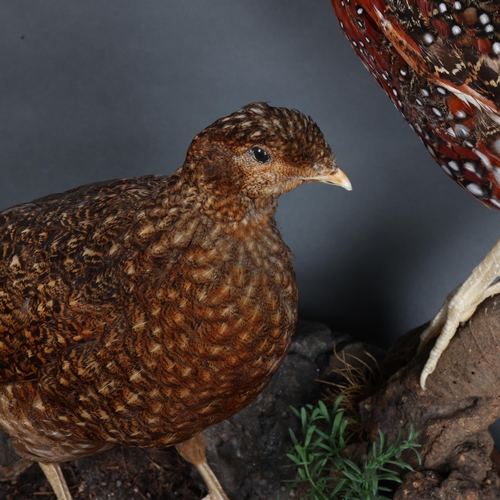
56	479
193	451
12	472
460	306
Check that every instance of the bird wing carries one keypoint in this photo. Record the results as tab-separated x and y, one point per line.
66	269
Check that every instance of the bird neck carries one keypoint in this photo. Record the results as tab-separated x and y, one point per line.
222	203
230	208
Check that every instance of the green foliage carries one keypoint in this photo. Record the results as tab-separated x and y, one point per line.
336	475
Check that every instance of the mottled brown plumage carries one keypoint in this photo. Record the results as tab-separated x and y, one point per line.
140	311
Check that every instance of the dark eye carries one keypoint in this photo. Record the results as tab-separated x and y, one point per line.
260	154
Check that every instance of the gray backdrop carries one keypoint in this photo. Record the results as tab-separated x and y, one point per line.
93	90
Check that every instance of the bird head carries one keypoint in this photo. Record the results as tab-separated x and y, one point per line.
261	152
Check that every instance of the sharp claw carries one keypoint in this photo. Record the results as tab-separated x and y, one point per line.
423	378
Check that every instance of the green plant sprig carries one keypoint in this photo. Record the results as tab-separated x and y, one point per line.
320	462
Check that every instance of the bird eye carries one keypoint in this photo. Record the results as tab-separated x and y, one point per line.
260	154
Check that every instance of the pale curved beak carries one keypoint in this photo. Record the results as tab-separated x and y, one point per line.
338	178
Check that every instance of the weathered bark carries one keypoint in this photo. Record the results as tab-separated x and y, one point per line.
452	415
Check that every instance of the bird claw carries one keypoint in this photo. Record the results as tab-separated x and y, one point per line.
459	306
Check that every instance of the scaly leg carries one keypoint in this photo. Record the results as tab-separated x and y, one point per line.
193	451
460	306
56	479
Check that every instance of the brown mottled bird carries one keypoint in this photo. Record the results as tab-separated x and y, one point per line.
141	311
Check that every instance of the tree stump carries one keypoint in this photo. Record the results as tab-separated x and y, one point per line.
452	416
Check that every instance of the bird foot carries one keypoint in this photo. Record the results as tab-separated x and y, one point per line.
459	306
12	472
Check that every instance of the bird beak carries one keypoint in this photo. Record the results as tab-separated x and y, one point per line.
338	178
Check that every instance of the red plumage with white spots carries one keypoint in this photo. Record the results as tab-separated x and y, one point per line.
439	62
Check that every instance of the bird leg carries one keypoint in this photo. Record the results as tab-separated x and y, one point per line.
56	479
460	306
193	451
12	472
